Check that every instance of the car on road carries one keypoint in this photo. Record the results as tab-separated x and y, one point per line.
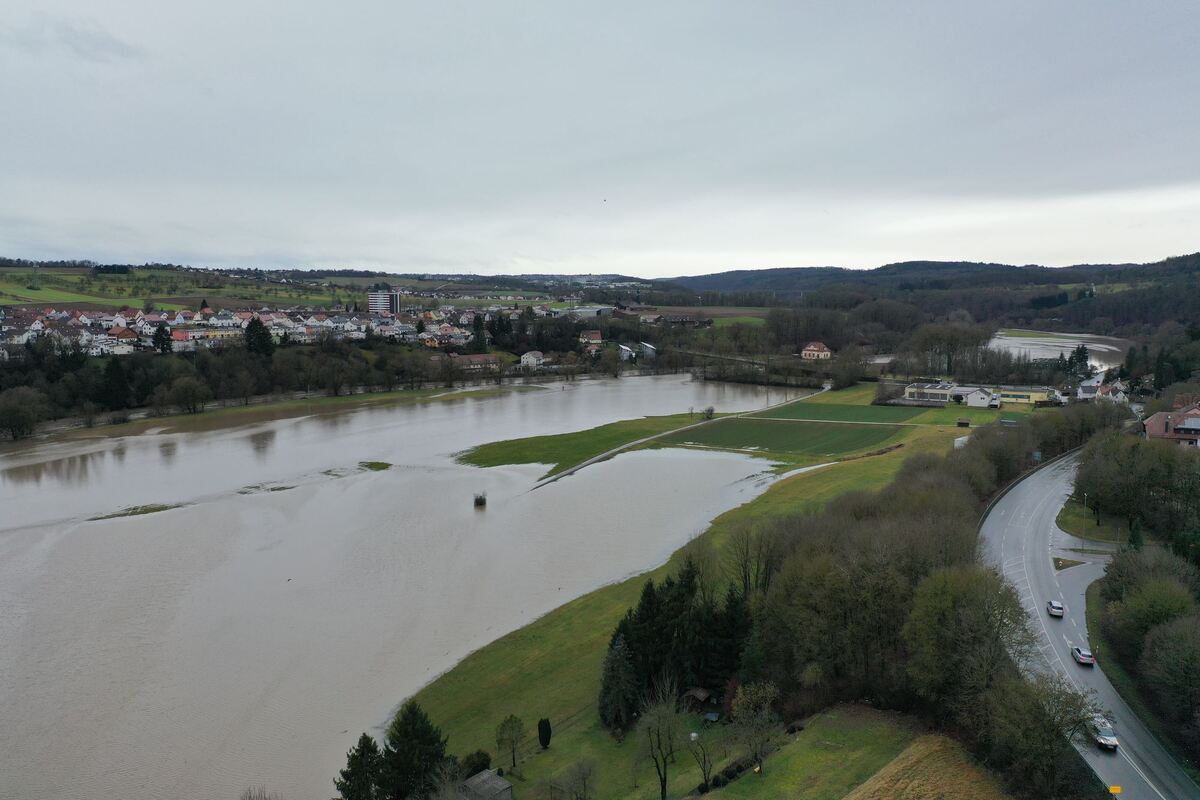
1055	608
1102	733
1083	656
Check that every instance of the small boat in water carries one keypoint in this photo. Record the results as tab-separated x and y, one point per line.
481	500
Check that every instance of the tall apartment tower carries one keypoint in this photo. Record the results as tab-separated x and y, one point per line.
383	302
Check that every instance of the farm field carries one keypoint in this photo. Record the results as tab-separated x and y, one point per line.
167	289
551	667
810	439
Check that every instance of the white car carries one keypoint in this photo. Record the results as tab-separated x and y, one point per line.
1102	733
1055	608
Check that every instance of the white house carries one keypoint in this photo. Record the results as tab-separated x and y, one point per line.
533	359
625	352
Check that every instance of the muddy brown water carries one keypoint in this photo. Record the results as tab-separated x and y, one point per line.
294	598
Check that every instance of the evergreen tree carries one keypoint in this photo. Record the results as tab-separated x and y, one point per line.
116	385
358	781
479	337
413	755
203	304
258	339
618	687
544	733
162	339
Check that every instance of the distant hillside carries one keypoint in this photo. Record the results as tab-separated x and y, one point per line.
918	275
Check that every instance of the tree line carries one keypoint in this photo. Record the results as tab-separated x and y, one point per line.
879	597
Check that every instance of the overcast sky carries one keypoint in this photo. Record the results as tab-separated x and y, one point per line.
649	138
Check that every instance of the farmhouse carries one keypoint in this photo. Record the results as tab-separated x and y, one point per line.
816	351
533	358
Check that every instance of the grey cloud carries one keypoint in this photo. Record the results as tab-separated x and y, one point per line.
83	38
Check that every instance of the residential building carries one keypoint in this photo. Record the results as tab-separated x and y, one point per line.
533	359
384	302
816	351
590	337
1181	426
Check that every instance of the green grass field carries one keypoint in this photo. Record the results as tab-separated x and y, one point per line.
837	751
1079	521
725	322
825	411
565	450
777	436
551	667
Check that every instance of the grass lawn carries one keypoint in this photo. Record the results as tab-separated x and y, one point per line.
780	436
1077	520
1126	684
978	416
836	751
933	766
551	667
565	450
725	322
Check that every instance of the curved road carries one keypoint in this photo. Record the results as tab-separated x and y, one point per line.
1021	538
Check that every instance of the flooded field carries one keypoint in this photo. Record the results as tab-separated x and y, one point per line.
278	593
1104	351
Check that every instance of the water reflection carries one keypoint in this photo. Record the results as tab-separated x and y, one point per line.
262	442
166	451
71	470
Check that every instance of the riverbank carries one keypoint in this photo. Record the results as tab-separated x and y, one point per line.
551	667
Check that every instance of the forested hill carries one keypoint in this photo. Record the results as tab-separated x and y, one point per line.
914	275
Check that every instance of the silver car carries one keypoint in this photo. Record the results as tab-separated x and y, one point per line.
1055	608
1102	733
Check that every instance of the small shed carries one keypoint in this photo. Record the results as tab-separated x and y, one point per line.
964	422
486	785
697	699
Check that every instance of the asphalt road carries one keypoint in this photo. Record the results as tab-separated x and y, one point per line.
1021	538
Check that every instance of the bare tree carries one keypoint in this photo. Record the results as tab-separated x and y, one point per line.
509	734
658	730
754	716
704	747
581	780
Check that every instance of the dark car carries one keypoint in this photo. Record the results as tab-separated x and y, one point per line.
1083	656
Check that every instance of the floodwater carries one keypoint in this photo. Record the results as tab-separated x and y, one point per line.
294	598
1103	351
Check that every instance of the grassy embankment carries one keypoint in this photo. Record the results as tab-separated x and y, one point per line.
551	667
1077	520
1127	685
933	766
